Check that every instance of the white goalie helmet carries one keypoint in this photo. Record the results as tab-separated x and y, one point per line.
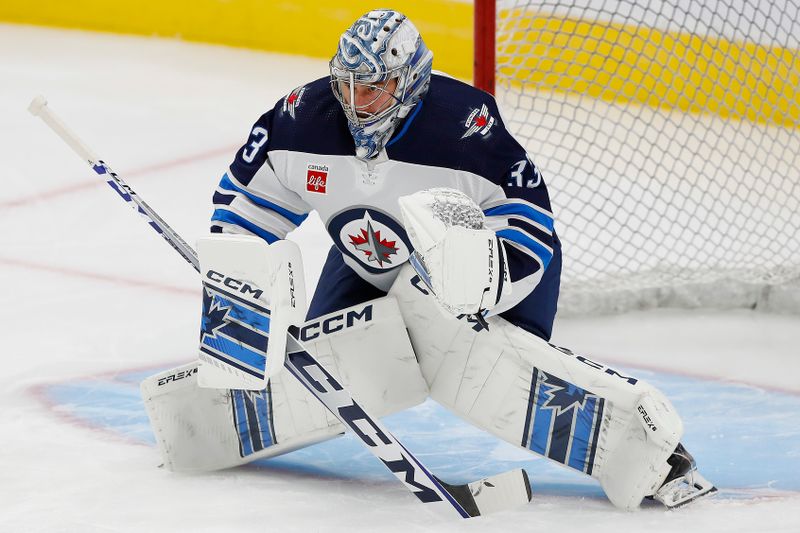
381	69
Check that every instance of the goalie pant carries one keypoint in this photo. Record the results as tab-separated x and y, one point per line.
566	407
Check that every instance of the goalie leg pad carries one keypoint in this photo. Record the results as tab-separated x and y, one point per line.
366	347
566	407
200	429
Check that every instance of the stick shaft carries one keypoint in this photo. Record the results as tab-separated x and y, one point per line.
39	107
369	429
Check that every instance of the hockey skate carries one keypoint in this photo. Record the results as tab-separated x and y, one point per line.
683	483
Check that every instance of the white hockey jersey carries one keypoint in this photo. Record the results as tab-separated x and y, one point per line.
300	156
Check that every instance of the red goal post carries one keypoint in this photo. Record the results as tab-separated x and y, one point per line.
484	48
669	135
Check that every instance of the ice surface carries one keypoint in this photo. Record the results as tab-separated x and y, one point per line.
93	301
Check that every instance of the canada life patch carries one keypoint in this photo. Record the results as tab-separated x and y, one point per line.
292	101
371	237
479	121
317	178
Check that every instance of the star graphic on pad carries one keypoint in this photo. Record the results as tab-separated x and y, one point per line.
254	395
563	396
214	315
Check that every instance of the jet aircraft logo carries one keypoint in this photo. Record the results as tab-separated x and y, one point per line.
479	121
292	101
373	246
371	238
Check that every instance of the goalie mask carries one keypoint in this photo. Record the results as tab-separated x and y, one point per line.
381	69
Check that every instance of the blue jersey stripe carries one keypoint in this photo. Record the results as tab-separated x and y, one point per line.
535	231
294	218
223	215
223	199
537	248
521	210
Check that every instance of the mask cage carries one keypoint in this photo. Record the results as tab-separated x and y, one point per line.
344	83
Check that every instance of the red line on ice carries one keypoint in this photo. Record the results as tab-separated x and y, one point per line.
39	392
697	375
97	181
96	276
69	189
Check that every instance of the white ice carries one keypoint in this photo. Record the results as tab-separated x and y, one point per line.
88	289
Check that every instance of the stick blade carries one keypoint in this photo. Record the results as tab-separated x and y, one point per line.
493	494
503	491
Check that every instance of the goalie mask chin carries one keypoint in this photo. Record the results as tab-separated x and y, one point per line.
381	69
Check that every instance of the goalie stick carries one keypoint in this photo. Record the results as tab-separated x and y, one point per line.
487	495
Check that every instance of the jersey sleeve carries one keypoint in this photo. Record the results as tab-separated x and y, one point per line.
251	198
521	216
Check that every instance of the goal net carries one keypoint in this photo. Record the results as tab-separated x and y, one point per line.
669	136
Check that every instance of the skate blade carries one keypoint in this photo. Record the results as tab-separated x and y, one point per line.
684	490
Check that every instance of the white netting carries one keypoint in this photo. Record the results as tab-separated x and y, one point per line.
669	135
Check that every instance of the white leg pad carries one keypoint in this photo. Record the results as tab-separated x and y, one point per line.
564	406
366	347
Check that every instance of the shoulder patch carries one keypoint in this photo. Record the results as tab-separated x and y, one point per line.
479	121
293	100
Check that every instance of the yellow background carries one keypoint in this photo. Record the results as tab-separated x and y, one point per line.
616	62
305	27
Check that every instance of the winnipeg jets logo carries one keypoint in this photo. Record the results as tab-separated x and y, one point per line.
563	396
372	238
376	249
292	101
479	121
